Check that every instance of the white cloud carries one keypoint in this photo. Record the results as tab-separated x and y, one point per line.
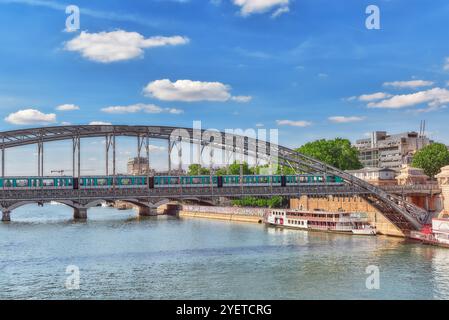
117	45
242	99
248	7
446	64
153	148
280	11
30	116
140	107
291	123
109	15
434	97
65	123
190	91
259	125
409	84
99	123
430	109
67	107
374	96
343	119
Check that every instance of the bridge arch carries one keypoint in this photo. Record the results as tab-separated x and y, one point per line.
406	215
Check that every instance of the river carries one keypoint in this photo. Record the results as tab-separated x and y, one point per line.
121	256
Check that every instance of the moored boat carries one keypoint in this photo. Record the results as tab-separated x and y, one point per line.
341	222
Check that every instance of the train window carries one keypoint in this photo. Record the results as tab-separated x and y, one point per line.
21	183
196	180
125	181
102	182
48	182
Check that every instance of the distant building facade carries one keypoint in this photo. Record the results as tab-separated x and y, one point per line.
376	176
382	150
411	176
138	166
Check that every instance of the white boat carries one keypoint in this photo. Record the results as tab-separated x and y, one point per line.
341	222
367	230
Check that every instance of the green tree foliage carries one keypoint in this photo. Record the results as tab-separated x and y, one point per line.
337	152
197	170
234	169
274	202
431	158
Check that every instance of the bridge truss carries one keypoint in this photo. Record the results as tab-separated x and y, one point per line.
403	214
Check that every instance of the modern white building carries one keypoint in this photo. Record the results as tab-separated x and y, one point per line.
376	176
382	150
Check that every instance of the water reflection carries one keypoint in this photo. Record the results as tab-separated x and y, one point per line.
122	256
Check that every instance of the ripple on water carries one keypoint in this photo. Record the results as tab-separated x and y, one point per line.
124	257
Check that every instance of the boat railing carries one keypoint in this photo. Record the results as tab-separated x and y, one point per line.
327	219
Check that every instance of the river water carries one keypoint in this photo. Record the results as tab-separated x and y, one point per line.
120	256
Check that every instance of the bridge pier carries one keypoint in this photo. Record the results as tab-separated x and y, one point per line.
80	213
6	216
147	212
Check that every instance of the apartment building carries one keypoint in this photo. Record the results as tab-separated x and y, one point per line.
382	150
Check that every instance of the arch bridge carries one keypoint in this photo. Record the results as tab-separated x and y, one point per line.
406	216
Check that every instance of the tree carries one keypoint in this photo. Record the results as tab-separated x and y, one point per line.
431	159
234	169
337	152
196	169
274	202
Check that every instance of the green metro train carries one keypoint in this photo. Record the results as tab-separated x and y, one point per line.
88	182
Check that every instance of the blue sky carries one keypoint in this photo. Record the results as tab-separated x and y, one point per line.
309	68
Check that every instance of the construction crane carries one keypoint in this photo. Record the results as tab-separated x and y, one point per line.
61	171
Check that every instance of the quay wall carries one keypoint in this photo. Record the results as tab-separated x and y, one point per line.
348	204
253	215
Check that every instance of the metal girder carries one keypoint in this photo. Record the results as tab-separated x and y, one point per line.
229	142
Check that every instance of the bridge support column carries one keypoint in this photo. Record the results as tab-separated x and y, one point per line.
80	213
6	217
147	212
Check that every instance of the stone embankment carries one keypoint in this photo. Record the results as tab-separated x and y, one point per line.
254	215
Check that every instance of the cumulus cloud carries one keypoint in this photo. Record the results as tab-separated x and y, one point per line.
343	119
190	91
299	123
434	97
409	84
30	116
119	45
67	107
99	123
248	7
374	96
140	107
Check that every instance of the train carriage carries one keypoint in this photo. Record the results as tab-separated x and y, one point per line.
30	183
89	182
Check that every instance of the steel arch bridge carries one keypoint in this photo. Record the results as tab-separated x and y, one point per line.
403	214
